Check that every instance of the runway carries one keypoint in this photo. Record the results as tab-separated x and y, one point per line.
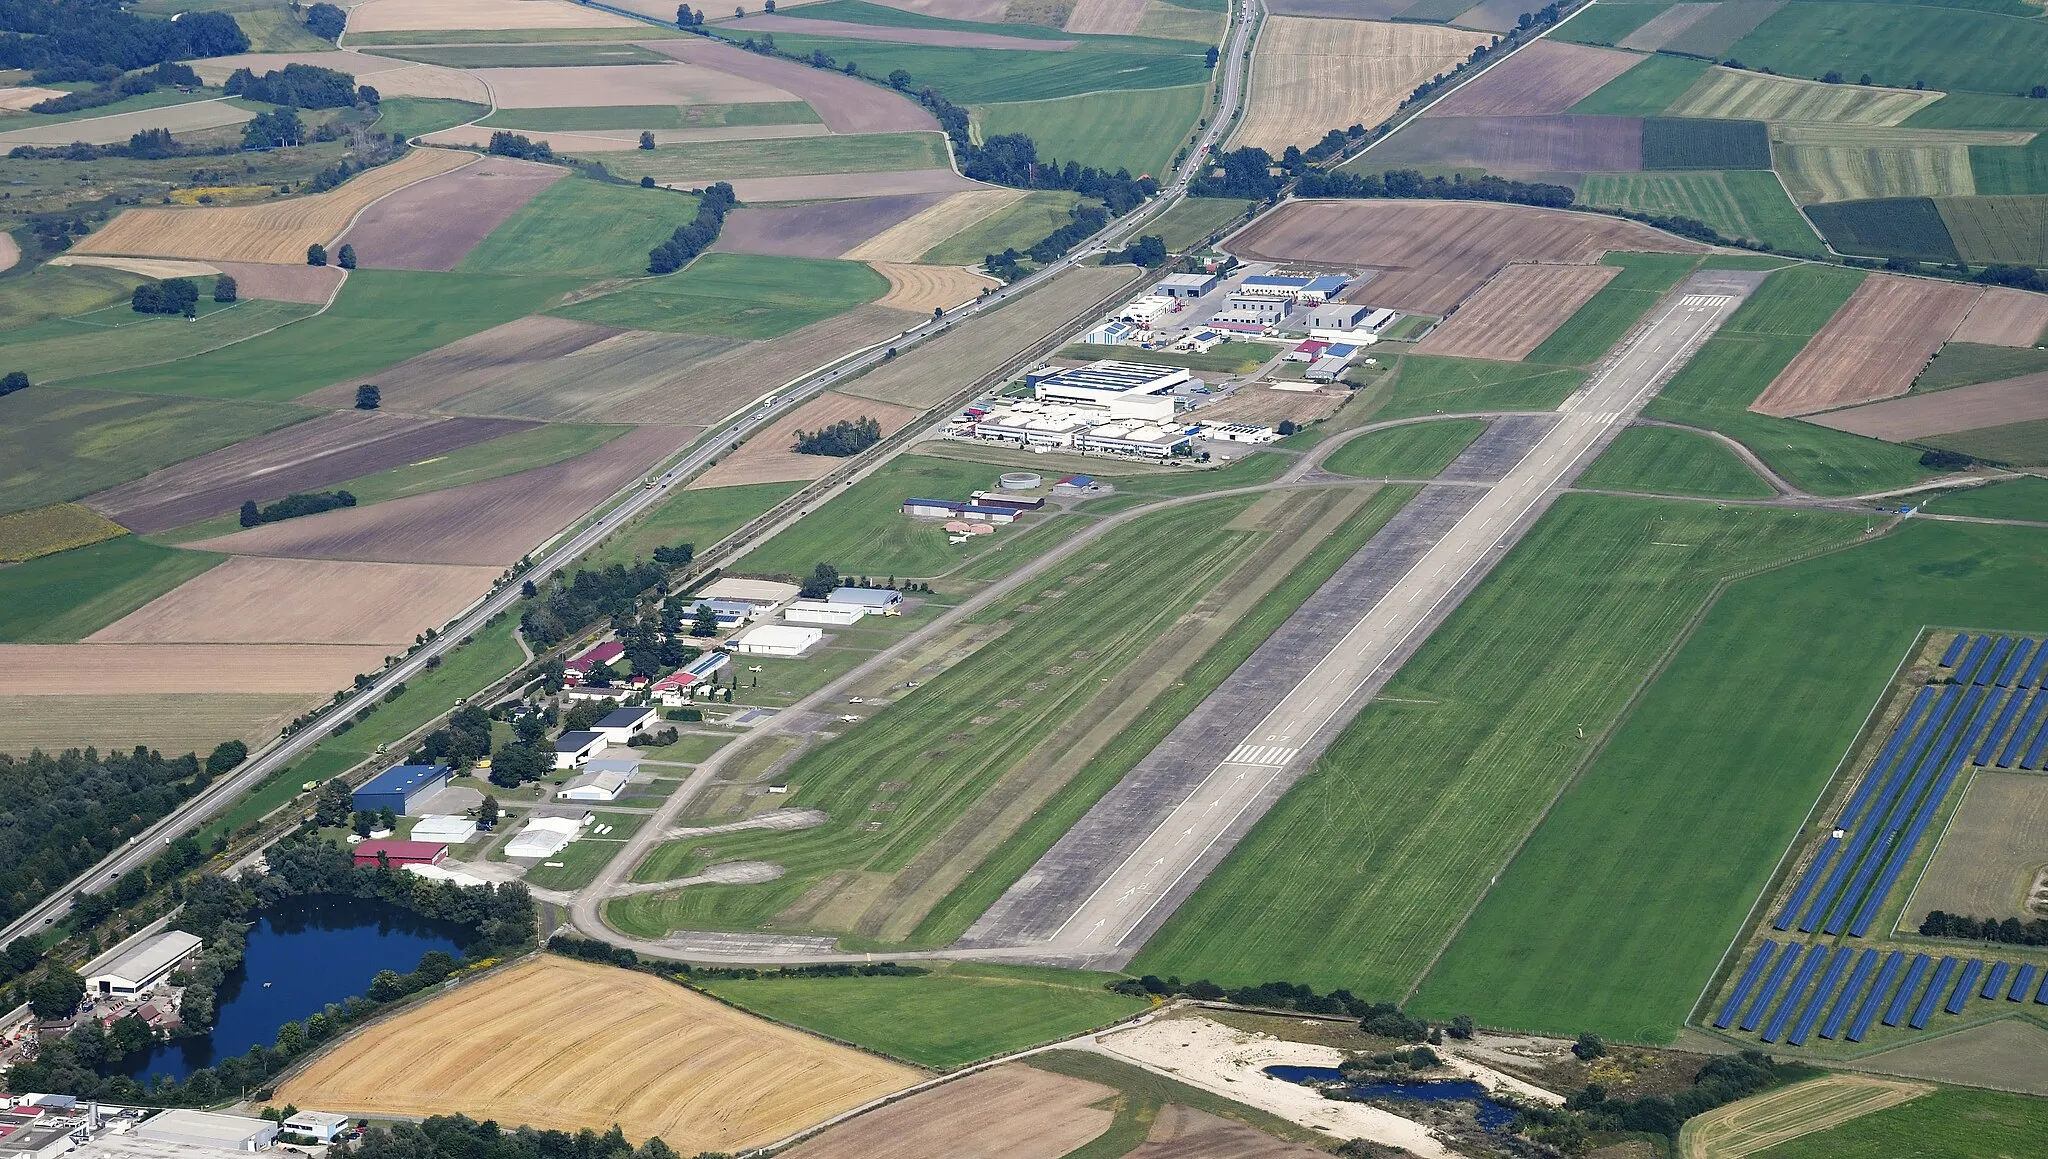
1112	880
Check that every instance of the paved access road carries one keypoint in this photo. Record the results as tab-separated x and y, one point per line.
1112	880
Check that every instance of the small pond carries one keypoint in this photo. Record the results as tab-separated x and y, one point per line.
1493	1116
303	953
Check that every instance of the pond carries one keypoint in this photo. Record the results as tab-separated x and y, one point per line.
304	953
1492	1116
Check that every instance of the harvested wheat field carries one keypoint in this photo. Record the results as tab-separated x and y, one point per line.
17	100
1310	76
391	78
118	127
945	366
1434	253
922	289
944	37
567	1045
278	232
311	285
638	376
427	380
1761	1122
249	600
1105	17
1263	406
848	105
569	87
306	456
1874	346
1558	143
1006	1112
1944	412
1515	311
770	457
2005	317
907	241
464	15
147	267
1185	1133
1737	94
979	11
822	230
169	722
1548	76
433	225
1664	27
299	670
832	186
493	522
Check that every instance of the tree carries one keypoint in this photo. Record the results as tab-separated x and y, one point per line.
1286	427
1211	57
739	12
899	79
769	7
706	623
823	581
326	21
316	254
369	397
1589	1047
487	813
646	141
647	183
15	380
368	95
346	259
683	16
57	993
251	514
225	756
1461	1026
1831	77
224	288
333	804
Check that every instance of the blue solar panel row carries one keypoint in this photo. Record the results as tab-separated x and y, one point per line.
1789	1005
1880	993
1991	666
2017	664
1786	961
1964	986
1845	1002
1742	988
2033	758
1994	982
1955	649
1927	760
1932	997
2041	995
2032	675
1968	668
1914	974
2018	993
1810	1008
1990	741
2026	729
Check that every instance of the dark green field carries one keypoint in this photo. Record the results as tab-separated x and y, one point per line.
1643	91
700	518
1692	143
2013	445
412	116
1663	461
1607	23
1907	227
1900	45
69	596
1952	1123
1417	451
1998	230
582	227
737	296
1589	334
992	75
1963	363
1431	385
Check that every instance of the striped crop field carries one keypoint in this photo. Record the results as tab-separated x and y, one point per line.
1733	94
1819	173
1739	203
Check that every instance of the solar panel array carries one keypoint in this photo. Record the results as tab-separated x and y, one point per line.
1817	998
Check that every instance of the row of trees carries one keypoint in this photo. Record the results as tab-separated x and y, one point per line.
170	296
460	1137
690	240
293	506
298	86
89	40
133	84
345	257
2007	931
842	439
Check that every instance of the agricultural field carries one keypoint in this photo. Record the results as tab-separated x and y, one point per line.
1516	311
48	293
1679	143
1739	203
169	721
2025	498
250	600
581	227
910	239
846	104
1951	412
1988	856
1734	94
1193	220
678	1065
960	1013
65	597
1549	76
819	229
700	518
770	456
1515	145
117	338
1643	91
433	225
1140	130
1557	638
1018	223
1900	46
1663	461
2018	444
1029	1113
1311	75
1760	1122
1909	227
1590	332
1873	347
736	295
984	76
1998	229
700	163
1963	363
636	117
1609	23
921	290
482	58
1877	168
478	15
1415	451
1999	1125
40	531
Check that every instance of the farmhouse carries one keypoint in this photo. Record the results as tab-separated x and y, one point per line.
1120	390
207	1129
396	787
619	725
775	640
574	748
822	612
143	966
871	601
400	853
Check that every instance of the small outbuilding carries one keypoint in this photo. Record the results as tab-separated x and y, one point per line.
622	724
574	748
320	1126
776	640
209	1129
143	965
396	787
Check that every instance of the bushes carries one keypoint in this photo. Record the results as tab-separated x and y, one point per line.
690	240
842	439
170	296
295	86
1408	183
293	506
518	145
13	381
2008	931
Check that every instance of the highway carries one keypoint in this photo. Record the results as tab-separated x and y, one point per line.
638	498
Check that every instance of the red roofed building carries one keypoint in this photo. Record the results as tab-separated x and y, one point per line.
398	853
604	653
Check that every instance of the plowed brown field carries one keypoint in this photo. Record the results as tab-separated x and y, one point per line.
433	225
1185	1133
910	240
313	285
277	232
1944	412
249	600
36	670
427	380
2005	317
821	230
769	457
493	522
847	105
1665	26
638	376
463	15
1007	1112
1433	253
1548	76
1514	312
922	289
567	1045
1312	75
823	186
1874	346
625	84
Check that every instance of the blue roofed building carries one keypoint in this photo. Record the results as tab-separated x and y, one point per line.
396	787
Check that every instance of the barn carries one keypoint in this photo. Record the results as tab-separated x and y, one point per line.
399	854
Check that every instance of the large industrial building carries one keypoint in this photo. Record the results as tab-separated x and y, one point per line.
207	1129
1186	285
619	725
143	966
775	640
396	787
1118	390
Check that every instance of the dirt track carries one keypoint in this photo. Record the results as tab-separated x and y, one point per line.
434	225
1965	408
250	600
768	457
848	105
1873	347
2005	317
1513	313
1006	1112
823	230
1548	76
305	457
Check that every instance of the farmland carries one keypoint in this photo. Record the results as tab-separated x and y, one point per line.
1999	1125
1900	45
1853	172
1872	348
1677	143
1745	1127
583	228
1027	1112
1909	227
918	289
1516	311
1549	76
960	1013
489	15
769	457
1609	23
116	338
1310	76
1738	203
700	518
2014	499
1989	852
59	527
737	295
298	601
1591	331
1558	636
531	57
1561	143
908	240
1139	129
433	224
1663	461
1643	91
681	1066
823	229
1193	220
173	722
1947	412
703	162
1732	94
1018	223
66	597
1998	229
982	76
1416	451
2019	444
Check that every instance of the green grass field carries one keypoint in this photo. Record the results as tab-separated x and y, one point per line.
1960	110
587	854
2025	498
1607	23
1990	230
1739	203
959	1013
117	338
1430	385
1685	143
413	116
1907	227
1425	796
2013	444
1952	1123
701	162
1587	336
1998	170
1643	91
47	293
737	296
1898	45
1762	700
1417	451
701	518
863	529
1030	218
584	228
981	76
1715	389
504	455
883	16
59	444
1192	220
1139	130
1964	363
380	318
1670	462
68	596
526	55
508	35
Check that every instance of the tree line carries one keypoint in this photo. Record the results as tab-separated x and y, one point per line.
690	240
297	86
170	72
85	40
293	506
2007	931
842	439
461	1137
170	296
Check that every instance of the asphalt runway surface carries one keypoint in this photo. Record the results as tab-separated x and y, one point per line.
1113	879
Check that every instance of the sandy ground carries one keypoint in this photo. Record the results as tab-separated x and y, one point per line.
827	186
624	84
922	289
169	722
1548	76
2005	317
848	105
1874	346
1264	406
566	1045
10	253
1312	75
433	225
274	232
1515	311
121	126
621	140
427	380
1106	17
768	457
1007	1112
910	240
1943	412
940	36
391	78
406	15
1761	1122
303	601
819	230
144	669
21	98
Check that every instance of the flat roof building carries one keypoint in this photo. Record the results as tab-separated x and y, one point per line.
1185	285
396	787
619	725
574	748
1322	289
208	1129
1126	390
1144	439
323	1126
400	853
727	613
1337	316
775	640
144	965
447	828
753	591
823	612
1144	312
1272	286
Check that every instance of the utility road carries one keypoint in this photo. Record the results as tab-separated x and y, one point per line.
1108	884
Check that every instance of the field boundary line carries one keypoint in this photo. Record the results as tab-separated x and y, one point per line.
358	214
